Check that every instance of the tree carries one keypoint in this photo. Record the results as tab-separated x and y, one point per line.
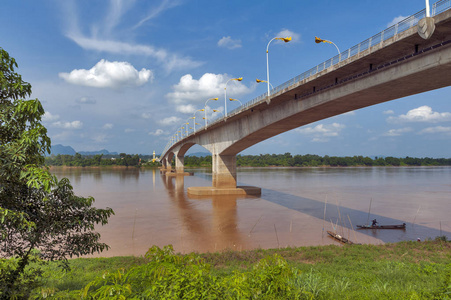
39	215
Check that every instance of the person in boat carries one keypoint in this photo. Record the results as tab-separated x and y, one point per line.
374	223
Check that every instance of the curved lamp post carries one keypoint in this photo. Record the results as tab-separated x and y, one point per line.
225	93
259	80
205	109
231	99
286	40
194	117
318	40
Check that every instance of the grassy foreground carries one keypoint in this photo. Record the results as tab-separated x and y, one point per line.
405	270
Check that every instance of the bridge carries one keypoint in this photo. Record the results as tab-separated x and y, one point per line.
411	57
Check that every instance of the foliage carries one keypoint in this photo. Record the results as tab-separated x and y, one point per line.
391	271
79	160
309	160
36	210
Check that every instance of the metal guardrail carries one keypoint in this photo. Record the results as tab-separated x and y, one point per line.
437	8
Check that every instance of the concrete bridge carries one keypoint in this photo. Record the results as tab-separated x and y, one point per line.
395	63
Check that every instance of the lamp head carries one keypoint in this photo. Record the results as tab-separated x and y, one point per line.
318	40
239	78
213	99
259	80
287	39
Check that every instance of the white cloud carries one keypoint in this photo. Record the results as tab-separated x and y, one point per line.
86	100
68	125
396	20
48	117
146	115
229	43
437	129
388	112
421	114
321	132
107	126
157	132
107	74
169	121
186	109
397	132
208	86
295	37
169	61
100	138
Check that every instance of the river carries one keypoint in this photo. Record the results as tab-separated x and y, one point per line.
296	208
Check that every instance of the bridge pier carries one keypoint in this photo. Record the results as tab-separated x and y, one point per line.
224	179
224	171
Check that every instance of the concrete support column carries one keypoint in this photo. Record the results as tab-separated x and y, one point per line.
224	171
179	160
164	162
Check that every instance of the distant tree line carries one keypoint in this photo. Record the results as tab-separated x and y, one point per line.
79	160
310	160
262	160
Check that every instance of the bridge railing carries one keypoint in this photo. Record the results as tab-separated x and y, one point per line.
409	22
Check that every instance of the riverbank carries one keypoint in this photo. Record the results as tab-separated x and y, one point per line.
405	270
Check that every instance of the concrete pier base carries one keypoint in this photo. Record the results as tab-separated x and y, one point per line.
211	191
179	174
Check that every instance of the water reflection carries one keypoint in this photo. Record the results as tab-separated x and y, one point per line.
208	229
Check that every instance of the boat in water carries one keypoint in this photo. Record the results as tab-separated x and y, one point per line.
399	226
339	238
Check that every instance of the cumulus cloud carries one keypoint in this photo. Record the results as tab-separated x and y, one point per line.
396	20
68	125
295	37
106	74
229	43
421	114
186	109
170	121
397	132
388	112
157	132
85	100
322	132
208	86
48	117
107	126
437	129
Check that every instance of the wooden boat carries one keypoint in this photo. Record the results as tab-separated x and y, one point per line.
400	226
339	238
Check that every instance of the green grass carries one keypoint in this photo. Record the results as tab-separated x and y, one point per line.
405	270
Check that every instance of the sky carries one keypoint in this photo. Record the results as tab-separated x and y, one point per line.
124	75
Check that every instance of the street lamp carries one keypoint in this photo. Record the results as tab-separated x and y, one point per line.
259	80
286	40
205	109
225	93
194	117
231	99
318	40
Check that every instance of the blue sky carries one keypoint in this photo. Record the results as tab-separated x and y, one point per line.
124	75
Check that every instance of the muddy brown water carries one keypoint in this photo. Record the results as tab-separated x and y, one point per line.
296	208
